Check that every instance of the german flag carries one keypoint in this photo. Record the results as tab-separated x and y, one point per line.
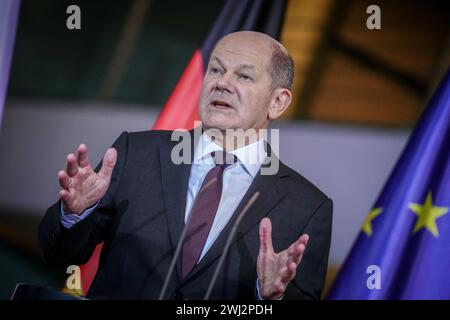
181	109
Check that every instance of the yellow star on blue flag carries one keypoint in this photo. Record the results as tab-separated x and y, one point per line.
427	215
367	226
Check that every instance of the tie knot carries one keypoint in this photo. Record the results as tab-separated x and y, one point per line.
222	158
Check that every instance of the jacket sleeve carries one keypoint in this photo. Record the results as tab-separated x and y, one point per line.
60	246
311	273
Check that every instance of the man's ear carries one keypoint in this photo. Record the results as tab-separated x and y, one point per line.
281	98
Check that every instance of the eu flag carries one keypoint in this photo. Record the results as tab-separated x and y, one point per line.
403	249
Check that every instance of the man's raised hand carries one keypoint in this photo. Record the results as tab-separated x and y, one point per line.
276	270
81	186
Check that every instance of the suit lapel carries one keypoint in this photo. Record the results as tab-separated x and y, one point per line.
271	193
175	181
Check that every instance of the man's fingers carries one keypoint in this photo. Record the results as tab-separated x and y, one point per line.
82	156
304	239
265	235
301	242
289	272
279	287
292	267
297	249
109	161
66	197
71	165
64	180
301	247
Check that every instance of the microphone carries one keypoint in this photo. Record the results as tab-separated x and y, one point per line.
233	231
180	243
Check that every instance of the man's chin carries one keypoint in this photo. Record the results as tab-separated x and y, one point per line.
219	123
216	127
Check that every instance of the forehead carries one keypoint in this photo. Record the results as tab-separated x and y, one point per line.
243	50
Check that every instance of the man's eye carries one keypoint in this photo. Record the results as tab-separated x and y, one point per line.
214	70
245	77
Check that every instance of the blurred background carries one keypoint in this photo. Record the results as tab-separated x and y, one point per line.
358	94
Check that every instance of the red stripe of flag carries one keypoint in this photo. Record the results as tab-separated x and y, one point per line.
181	110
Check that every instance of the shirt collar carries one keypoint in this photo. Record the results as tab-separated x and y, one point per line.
250	156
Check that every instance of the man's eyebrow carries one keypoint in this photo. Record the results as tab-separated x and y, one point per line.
246	66
218	60
241	66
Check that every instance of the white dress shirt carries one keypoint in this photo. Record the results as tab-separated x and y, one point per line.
237	178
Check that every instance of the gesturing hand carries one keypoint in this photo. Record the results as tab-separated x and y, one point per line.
276	270
82	187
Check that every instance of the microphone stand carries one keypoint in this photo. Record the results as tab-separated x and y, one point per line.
180	243
233	231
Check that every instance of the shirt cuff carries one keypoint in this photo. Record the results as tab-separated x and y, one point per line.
68	220
258	289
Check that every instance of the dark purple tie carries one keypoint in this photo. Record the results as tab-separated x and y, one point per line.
203	212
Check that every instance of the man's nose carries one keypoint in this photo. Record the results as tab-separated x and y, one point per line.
225	84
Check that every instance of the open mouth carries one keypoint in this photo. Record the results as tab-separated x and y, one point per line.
221	104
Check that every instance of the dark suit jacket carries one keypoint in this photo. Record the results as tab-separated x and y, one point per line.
141	218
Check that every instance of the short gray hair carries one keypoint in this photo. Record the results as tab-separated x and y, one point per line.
281	68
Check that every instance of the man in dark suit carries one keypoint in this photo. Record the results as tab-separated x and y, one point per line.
140	198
